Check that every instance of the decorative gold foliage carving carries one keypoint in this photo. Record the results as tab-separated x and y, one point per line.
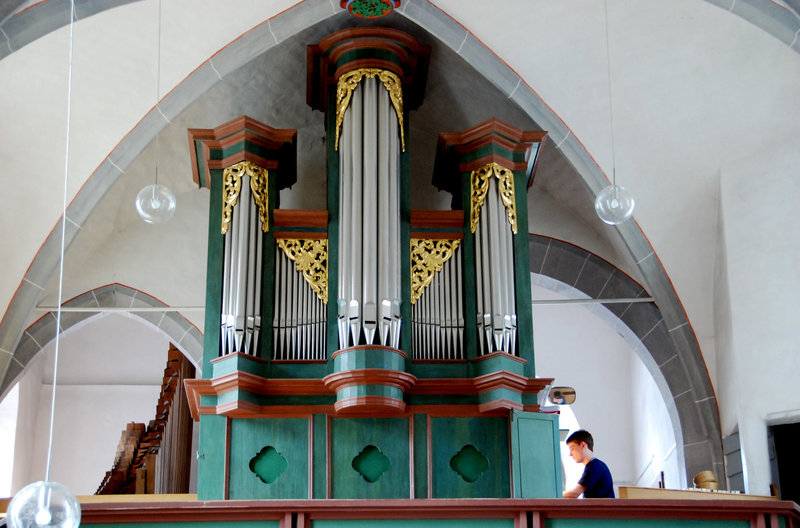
311	258
349	82
427	257
232	187
480	186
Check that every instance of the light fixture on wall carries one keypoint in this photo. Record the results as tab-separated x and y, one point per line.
45	503
614	204
156	203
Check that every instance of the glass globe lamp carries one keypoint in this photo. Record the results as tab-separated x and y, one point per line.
614	204
155	204
44	504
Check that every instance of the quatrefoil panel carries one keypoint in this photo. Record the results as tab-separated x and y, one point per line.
371	463
268	465
469	463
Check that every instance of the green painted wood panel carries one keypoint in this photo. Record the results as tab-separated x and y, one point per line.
320	463
489	437
349	438
420	456
413	523
536	455
216	242
211	458
289	438
644	523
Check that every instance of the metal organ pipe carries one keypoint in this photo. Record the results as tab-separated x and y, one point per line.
497	319
369	236
241	289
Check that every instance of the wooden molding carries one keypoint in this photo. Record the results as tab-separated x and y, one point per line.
140	511
393	378
370	347
369	405
300	218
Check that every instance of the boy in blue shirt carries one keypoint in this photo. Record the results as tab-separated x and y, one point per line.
596	482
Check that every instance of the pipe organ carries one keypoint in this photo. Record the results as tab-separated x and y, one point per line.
369	350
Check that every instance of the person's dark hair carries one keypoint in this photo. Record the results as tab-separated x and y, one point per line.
582	435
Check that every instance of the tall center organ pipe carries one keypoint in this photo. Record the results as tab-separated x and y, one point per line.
244	221
369	219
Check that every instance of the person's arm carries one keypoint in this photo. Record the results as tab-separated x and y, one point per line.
575	492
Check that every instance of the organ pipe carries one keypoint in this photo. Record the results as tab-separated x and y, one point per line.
243	224
369	235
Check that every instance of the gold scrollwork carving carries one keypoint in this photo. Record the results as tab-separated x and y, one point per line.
232	186
310	258
349	82
480	186
427	257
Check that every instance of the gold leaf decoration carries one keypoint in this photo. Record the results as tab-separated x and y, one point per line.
311	258
480	186
349	82
427	258
232	187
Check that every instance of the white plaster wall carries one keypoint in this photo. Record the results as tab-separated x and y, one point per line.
758	197
617	399
578	350
655	448
110	372
8	420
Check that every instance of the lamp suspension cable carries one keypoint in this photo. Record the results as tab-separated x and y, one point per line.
156	203
610	101
614	204
46	503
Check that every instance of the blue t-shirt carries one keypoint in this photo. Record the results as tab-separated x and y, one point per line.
596	479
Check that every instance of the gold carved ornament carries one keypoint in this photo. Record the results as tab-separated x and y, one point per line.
310	258
427	257
349	82
480	186
232	186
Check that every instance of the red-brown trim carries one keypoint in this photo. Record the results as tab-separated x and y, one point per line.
300	218
286	521
499	353
438	219
500	404
236	131
196	388
255	359
235	511
437	235
370	347
369	405
393	378
521	520
301	235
